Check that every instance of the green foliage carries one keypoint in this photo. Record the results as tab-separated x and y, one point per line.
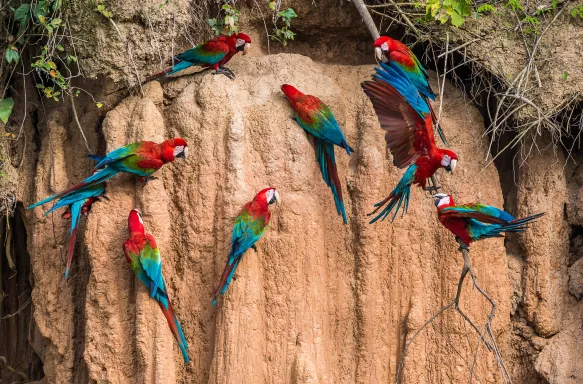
484	8
453	11
12	54
283	34
6	109
564	75
577	12
226	24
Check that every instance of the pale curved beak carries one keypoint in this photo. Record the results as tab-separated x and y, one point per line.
452	165
246	48
378	52
185	153
275	198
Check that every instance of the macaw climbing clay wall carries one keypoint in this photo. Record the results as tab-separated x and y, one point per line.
319	301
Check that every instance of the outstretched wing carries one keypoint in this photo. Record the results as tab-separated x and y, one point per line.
210	52
402	113
483	213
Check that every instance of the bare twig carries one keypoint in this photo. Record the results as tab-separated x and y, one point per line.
13	370
78	123
129	50
366	18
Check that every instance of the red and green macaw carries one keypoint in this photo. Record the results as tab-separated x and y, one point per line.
390	50
473	222
78	203
214	53
145	260
317	119
248	229
142	158
406	118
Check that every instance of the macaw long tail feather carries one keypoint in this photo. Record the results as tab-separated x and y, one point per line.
172	70
98	177
75	219
226	278
176	330
519	225
327	161
398	197
437	126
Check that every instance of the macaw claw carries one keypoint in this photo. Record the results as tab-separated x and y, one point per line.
254	247
147	179
225	71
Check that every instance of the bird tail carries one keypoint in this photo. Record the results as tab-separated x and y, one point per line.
75	214
176	329
519	225
437	126
171	70
97	177
226	278
347	147
327	161
397	198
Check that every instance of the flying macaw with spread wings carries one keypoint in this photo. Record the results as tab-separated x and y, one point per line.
214	53
473	222
406	118
387	49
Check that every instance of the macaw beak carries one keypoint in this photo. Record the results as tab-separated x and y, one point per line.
275	198
184	153
378	52
452	165
246	48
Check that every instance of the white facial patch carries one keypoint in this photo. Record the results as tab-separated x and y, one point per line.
178	150
444	201
445	161
139	216
239	43
385	46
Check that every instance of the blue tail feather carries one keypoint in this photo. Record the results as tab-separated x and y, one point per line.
398	198
327	162
180	67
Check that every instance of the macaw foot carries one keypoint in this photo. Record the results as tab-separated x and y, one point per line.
225	71
146	180
432	188
254	247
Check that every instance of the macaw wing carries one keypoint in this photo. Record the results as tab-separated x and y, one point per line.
115	155
483	213
316	118
246	231
414	70
210	52
151	262
409	134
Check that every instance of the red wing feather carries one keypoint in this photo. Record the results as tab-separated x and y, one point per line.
484	218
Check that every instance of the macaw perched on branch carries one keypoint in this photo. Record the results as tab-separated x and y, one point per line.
248	229
78	203
142	158
214	53
387	49
145	260
473	222
316	118
406	118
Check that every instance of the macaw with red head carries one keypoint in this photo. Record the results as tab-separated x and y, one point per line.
249	226
143	256
316	118
406	118
214	53
473	222
391	50
142	158
78	203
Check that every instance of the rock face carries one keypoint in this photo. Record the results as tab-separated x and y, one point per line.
319	302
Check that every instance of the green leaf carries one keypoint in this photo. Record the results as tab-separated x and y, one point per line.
39	86
99	105
272	5
6	109
22	13
486	8
12	55
60	48
456	19
287	14
56	22
564	75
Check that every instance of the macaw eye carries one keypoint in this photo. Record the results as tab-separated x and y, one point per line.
446	160
239	42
